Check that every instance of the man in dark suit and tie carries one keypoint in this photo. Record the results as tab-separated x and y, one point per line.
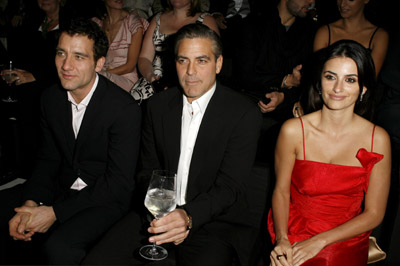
207	134
84	174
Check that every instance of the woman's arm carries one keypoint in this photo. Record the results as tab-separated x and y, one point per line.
147	53
321	38
374	211
285	156
211	23
133	54
379	48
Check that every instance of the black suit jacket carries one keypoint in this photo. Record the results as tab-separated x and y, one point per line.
104	154
219	175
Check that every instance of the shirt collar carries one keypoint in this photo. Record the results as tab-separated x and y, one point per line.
86	100
203	101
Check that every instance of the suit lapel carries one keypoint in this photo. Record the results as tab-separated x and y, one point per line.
91	113
172	123
66	121
206	135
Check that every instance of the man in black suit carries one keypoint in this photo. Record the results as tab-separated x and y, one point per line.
207	134
84	174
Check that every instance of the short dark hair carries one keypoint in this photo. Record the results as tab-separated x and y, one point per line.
89	28
366	74
197	30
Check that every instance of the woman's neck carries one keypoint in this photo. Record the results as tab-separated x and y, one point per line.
354	23
181	12
336	121
114	15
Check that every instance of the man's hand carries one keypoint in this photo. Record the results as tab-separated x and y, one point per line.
18	227
171	228
294	79
42	217
276	99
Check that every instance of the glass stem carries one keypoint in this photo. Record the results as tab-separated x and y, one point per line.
154	249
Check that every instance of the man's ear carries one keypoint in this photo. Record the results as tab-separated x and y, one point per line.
219	63
100	63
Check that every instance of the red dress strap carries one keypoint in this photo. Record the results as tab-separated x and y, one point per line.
304	144
372	141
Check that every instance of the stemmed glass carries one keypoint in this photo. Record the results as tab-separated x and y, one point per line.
10	97
160	200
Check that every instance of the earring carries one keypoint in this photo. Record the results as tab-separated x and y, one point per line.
320	92
361	97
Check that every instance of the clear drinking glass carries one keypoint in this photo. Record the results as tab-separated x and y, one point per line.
10	94
160	200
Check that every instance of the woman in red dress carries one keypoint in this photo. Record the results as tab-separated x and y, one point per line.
332	168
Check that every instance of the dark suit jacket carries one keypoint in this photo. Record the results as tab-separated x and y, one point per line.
104	155
267	52
223	156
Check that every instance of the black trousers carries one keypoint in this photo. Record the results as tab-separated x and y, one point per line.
63	244
121	245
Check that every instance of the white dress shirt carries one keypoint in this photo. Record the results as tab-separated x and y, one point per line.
192	115
78	111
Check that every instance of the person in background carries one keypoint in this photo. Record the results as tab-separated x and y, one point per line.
274	46
159	5
353	25
31	48
327	201
143	7
156	62
36	63
388	117
82	181
125	32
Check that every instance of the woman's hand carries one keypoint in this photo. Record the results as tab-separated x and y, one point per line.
20	76
305	250
282	254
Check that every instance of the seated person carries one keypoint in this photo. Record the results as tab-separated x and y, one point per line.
125	32
207	134
327	200
32	46
271	54
156	62
353	25
83	177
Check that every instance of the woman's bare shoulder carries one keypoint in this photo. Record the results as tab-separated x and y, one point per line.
381	136
292	127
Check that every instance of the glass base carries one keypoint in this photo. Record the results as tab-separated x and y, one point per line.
151	252
9	100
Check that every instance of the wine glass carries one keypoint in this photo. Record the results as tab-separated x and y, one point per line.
160	200
9	77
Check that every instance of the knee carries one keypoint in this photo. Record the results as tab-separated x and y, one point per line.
57	251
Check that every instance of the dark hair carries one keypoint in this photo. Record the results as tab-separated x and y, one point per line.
195	7
366	74
197	30
89	28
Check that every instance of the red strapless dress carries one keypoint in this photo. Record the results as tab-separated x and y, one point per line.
324	196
